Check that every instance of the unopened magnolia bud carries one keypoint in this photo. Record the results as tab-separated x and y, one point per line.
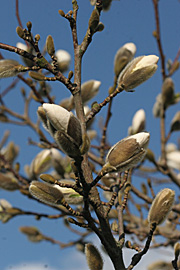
50	45
46	193
94	20
10	152
123	56
161	206
150	155
42	115
173	160
61	12
8	181
100	27
175	123
29	26
48	178
4	206
63	59
33	234
127	153
93	257
138	122
20	32
160	265
9	68
138	71
167	92
40	164
89	90
37	76
177	249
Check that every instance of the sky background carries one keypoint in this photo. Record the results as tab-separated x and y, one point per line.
126	21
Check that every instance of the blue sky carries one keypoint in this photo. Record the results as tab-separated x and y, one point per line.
127	21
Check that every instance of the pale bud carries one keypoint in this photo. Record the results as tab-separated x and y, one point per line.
10	152
93	257
67	128
94	20
173	160
32	233
9	68
167	92
64	59
89	90
138	122
157	106
41	163
127	153
8	181
138	71
46	193
161	206
175	123
170	147
123	56
4	205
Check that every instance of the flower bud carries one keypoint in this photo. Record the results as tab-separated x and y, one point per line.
175	123
37	76
94	20
161	206
67	128
46	193
160	265
50	45
93	257
138	71
64	59
123	56
10	152
177	249
32	233
20	32
173	160
4	205
61	12
8	181
157	106
127	153
138	122
9	68
40	164
167	92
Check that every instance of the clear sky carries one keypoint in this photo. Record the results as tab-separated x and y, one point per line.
127	21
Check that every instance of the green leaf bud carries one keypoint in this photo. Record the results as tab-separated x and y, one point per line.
161	206
93	257
47	178
32	233
50	45
29	26
61	12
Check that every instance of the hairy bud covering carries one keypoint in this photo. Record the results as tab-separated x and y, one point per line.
93	257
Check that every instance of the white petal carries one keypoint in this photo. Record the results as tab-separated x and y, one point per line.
142	138
63	56
147	60
138	118
21	46
57	115
130	47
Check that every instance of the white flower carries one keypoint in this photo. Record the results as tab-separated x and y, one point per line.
22	46
138	122
138	71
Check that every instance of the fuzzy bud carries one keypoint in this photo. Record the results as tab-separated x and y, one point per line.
138	71
4	206
175	123
127	153
10	152
37	76
8	181
20	32
173	160
93	257
94	20
46	193
64	59
50	45
32	233
167	92
9	68
161	206
138	122
123	56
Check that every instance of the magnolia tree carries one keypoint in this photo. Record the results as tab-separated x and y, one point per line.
77	171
